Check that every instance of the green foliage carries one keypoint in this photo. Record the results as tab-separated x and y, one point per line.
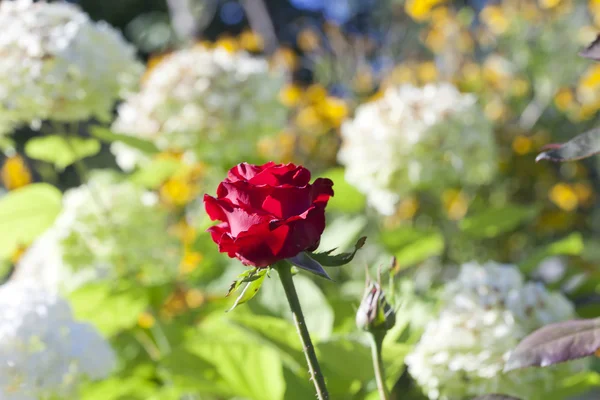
26	213
496	221
108	136
61	150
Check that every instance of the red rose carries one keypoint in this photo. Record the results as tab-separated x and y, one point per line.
268	212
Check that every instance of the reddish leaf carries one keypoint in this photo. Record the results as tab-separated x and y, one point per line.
592	51
555	343
581	146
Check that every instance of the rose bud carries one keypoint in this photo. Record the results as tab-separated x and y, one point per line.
269	212
374	312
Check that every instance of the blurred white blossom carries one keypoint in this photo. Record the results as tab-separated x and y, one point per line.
107	228
58	64
44	352
203	100
485	313
414	139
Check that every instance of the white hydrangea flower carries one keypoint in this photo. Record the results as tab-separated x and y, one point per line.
204	99
106	229
58	64
43	350
486	312
416	138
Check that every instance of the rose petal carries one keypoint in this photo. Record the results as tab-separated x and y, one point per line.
283	174
322	190
260	246
288	202
244	194
304	231
238	218
245	171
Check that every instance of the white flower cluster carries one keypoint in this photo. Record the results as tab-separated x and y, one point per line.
204	100
58	64
486	312
106	229
415	139
43	351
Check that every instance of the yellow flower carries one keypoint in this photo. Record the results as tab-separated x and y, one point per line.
522	145
335	110
548	3
251	41
495	19
420	10
15	173
401	74
456	203
564	196
407	208
584	192
191	260
285	57
308	40
427	72
290	95
316	93
564	99
228	43
194	298
146	320
177	191
309	119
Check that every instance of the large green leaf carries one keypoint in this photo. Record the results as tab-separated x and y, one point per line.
110	310
151	176
411	246
60	150
496	221
347	198
571	245
130	388
25	213
106	135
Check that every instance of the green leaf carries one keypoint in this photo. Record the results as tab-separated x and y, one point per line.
130	388
571	245
106	135
411	246
252	281
110	310
60	150
496	221
26	213
151	176
347	198
338	260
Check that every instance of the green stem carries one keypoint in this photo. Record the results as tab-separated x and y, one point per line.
285	275
376	345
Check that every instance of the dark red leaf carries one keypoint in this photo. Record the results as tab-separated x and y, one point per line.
555	343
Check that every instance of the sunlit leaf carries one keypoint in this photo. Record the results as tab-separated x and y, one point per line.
110	310
495	397
411	246
555	343
347	198
155	173
60	150
592	51
581	146
572	245
496	221
25	213
251	282
305	262
108	136
337	260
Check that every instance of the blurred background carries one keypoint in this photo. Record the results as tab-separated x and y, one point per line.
427	115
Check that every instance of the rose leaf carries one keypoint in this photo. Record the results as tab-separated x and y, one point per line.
304	261
252	281
592	51
325	258
581	146
555	343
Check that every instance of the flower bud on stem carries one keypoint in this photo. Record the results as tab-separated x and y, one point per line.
285	275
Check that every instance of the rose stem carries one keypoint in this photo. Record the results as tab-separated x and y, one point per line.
285	274
376	344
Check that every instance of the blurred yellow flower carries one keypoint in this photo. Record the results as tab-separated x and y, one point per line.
308	119
564	197
15	173
177	191
427	72
146	320
495	19
420	10
286	58
194	298
407	208
564	99
363	81
17	254
455	203
191	260
290	95
548	3
584	192
228	43
335	110
308	40
316	93
522	145
251	41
